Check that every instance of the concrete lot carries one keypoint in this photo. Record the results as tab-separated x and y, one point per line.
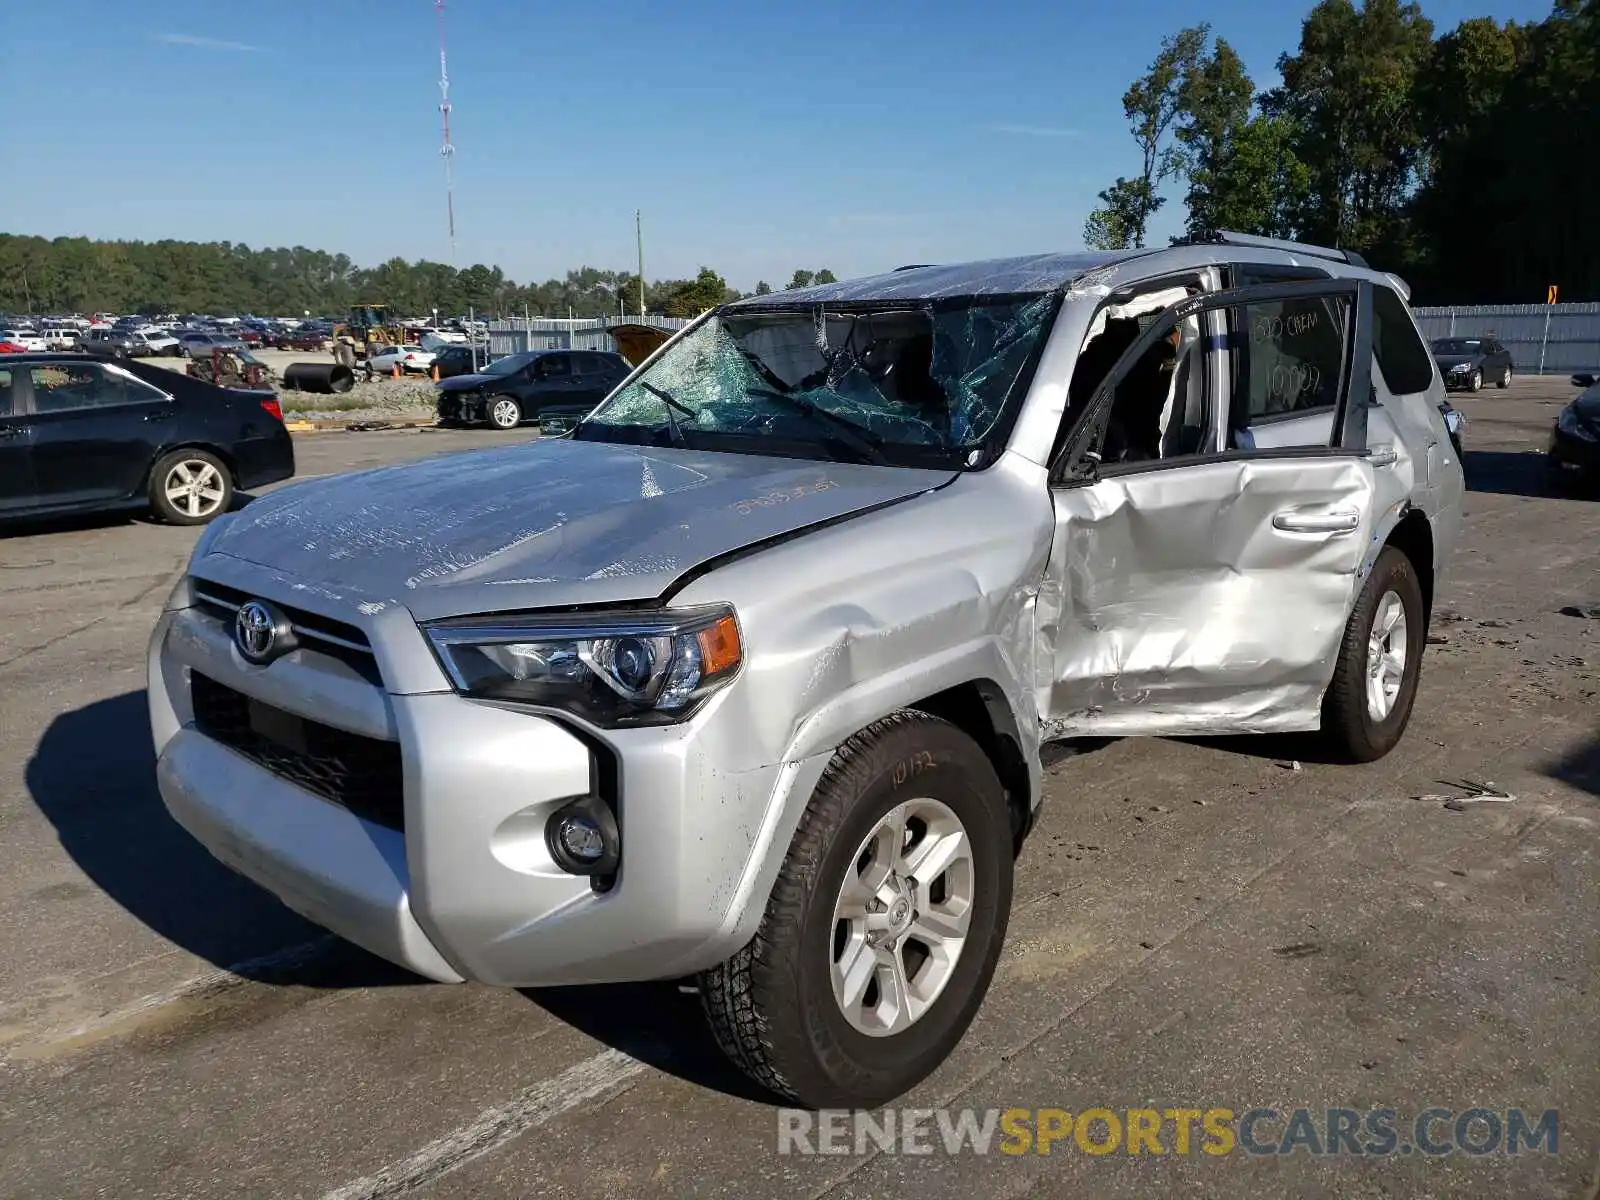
1196	925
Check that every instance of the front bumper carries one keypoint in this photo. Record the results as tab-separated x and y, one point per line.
467	888
1575	457
461	406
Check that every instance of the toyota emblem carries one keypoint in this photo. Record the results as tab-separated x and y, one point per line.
261	632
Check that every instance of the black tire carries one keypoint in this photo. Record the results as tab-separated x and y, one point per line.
1475	381
1346	721
1505	380
162	505
499	402
771	1006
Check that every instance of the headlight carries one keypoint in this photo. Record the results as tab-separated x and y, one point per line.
1569	424
1461	368
609	668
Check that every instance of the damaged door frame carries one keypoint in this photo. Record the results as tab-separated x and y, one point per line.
1131	647
1076	465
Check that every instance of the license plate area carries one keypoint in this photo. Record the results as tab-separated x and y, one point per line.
281	728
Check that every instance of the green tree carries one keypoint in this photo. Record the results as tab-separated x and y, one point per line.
801	279
1116	224
1348	91
691	299
825	276
763	288
1152	105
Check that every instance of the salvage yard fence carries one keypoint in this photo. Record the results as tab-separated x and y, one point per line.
1544	339
555	333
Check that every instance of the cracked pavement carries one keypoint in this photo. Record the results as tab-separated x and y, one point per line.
1196	924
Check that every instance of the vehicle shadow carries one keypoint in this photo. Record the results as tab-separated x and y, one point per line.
104	519
93	777
1509	473
1581	769
1279	747
656	1024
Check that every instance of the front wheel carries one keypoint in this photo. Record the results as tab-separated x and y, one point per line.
882	933
505	413
1475	381
190	487
1505	380
1380	661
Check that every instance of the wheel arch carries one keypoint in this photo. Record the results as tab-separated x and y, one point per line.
979	708
1412	535
211	448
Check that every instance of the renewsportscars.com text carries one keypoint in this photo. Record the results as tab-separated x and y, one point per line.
1368	1132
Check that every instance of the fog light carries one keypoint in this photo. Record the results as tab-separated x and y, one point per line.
583	837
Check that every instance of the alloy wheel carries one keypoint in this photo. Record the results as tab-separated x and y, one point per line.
901	917
1386	656
194	488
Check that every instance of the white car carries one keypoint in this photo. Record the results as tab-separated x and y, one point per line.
29	339
62	337
407	358
155	341
434	340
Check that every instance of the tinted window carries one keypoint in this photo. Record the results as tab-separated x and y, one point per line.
590	363
1287	358
67	387
5	393
553	366
1403	360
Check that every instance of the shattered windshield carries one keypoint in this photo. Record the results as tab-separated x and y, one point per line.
904	383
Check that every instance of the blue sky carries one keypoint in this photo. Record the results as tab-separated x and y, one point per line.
757	136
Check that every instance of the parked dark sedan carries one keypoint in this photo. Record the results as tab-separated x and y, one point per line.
1469	363
1575	440
84	433
513	389
301	339
451	361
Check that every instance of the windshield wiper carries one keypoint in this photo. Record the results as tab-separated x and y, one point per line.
671	404
866	443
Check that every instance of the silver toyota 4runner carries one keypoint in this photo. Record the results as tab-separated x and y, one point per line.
746	677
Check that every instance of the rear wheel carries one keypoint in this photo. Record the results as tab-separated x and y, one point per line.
1374	683
190	487
882	932
504	412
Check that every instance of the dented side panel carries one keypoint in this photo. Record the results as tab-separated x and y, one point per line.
1173	603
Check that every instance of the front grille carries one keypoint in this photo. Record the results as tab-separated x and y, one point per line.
338	639
359	773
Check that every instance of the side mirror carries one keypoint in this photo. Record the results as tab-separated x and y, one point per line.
1584	380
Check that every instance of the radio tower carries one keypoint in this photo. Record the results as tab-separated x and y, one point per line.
446	150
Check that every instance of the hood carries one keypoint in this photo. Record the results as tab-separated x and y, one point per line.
1446	361
468	383
544	524
1587	405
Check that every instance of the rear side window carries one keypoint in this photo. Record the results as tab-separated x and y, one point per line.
5	393
1295	351
1405	362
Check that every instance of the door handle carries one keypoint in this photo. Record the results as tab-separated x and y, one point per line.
1340	520
1383	456
161	414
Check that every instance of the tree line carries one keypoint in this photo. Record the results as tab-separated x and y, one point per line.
1465	162
77	275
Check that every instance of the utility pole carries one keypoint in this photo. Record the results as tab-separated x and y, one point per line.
638	231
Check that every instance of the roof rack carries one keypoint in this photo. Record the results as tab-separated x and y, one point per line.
1227	237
